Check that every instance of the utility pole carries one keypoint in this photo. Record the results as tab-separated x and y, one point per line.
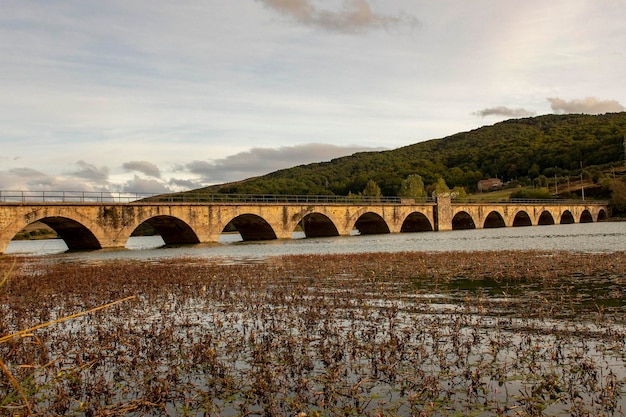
556	183
582	187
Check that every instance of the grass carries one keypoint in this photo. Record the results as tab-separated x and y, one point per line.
493	195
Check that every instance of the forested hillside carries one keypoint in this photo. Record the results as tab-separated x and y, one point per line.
522	150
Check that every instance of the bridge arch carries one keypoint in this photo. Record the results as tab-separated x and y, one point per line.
416	222
493	220
545	218
371	223
522	219
567	217
74	233
318	225
602	215
586	217
463	221
253	227
173	230
77	229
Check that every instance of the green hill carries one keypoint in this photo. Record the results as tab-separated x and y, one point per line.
522	150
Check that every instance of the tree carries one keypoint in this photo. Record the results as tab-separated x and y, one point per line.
534	171
542	181
455	176
372	189
412	187
441	188
459	193
618	196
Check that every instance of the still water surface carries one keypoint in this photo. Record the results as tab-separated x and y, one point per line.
587	237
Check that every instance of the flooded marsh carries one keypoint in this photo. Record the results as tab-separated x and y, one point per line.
498	333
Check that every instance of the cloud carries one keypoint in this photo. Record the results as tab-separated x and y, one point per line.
145	167
258	161
28	179
192	175
91	173
183	184
145	185
18	178
87	177
26	173
504	111
588	105
355	15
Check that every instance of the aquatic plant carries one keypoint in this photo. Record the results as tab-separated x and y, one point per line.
494	333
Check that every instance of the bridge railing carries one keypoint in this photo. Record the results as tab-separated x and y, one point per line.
276	198
121	197
191	197
530	201
70	197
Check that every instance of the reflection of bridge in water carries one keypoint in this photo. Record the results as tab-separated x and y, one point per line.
98	220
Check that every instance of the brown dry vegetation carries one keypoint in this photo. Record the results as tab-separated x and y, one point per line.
425	334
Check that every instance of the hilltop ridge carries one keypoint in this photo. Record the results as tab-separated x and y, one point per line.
521	150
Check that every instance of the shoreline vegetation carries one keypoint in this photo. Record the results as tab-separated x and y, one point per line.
499	333
36	231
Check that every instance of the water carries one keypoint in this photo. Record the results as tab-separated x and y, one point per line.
586	237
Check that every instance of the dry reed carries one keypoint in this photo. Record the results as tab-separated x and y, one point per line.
399	334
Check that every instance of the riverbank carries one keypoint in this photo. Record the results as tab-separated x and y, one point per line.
413	333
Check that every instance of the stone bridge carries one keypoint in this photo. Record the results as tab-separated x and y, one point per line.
100	224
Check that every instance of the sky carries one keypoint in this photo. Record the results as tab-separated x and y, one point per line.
157	96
